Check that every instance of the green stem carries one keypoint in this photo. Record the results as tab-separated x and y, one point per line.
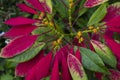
70	17
86	31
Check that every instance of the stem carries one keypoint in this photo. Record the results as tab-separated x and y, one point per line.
86	31
70	17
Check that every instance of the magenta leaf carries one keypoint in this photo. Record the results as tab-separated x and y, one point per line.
26	8
23	68
115	75
65	70
114	24
18	45
47	4
28	54
36	5
114	46
55	71
78	55
19	31
92	3
99	76
19	21
41	69
112	11
76	68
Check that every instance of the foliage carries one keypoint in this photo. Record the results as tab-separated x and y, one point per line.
60	40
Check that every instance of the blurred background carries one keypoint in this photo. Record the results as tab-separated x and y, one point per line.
8	9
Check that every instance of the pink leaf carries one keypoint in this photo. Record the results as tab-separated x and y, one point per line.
118	65
36	5
19	31
98	75
18	45
55	71
115	75
23	68
92	3
112	11
47	4
113	23
19	21
26	8
41	69
65	71
114	46
76	69
77	54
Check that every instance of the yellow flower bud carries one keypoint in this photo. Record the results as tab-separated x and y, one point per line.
41	15
98	28
95	30
91	27
51	24
46	22
81	39
54	43
71	4
59	41
79	33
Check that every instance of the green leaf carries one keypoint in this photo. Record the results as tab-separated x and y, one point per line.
40	30
98	15
76	68
105	53
92	61
61	8
6	77
29	54
82	11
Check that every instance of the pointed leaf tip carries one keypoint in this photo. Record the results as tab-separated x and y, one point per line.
112	11
105	53
36	4
25	8
95	62
76	69
18	45
92	3
47	4
28	54
98	15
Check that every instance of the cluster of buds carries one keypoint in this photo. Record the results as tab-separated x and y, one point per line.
79	37
56	44
41	15
46	22
94	30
